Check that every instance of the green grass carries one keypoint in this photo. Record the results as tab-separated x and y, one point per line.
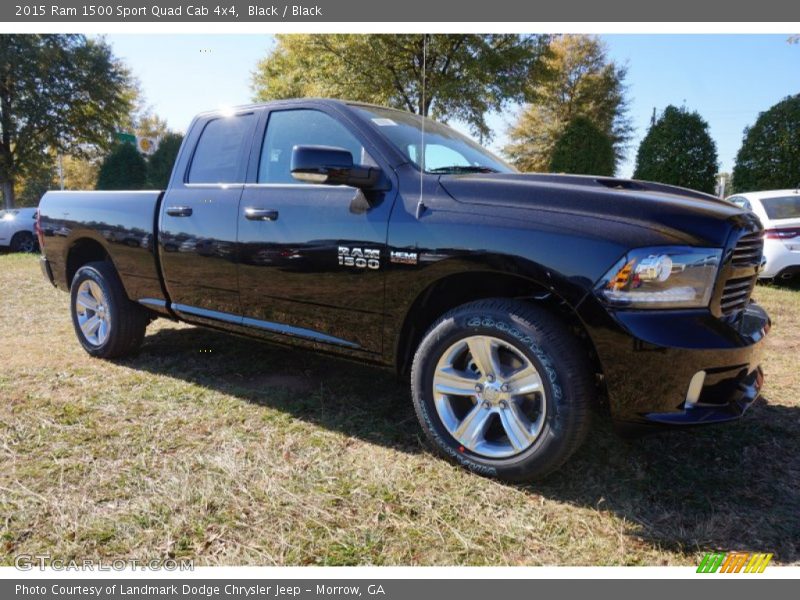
252	454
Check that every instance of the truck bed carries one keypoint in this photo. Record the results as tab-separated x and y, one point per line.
122	223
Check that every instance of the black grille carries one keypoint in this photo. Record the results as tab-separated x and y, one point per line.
736	294
742	271
748	250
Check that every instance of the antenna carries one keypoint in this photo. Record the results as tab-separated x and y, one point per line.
420	203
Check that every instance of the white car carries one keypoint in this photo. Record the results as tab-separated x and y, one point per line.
16	229
779	212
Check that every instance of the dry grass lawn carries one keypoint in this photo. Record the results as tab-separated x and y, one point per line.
230	451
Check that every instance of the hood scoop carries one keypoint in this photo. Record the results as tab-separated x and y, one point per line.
621	184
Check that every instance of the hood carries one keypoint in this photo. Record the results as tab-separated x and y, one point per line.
668	209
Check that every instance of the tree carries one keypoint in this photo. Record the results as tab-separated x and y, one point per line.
159	165
37	180
577	79
678	150
466	76
583	148
145	123
769	158
59	94
123	169
80	173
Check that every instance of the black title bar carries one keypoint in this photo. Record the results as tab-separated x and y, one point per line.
463	11
730	587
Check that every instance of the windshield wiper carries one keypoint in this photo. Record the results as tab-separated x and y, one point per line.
464	169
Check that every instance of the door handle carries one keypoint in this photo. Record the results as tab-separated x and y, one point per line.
179	211
260	214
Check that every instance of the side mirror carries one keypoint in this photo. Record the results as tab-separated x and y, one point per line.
334	166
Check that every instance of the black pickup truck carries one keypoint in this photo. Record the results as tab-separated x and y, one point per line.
514	302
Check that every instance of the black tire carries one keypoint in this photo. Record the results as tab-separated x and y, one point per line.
551	348
127	320
24	241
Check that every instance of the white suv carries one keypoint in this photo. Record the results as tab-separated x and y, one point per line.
779	212
16	229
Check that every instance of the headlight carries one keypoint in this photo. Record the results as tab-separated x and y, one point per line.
662	277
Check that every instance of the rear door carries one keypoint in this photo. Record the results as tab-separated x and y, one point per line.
198	221
313	267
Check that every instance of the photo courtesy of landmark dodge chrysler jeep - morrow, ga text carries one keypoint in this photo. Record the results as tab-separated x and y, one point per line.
513	302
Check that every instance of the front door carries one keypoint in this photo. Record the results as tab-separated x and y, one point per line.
312	256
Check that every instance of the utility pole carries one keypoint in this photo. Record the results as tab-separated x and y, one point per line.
61	171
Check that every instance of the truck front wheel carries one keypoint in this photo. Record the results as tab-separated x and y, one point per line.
503	388
107	323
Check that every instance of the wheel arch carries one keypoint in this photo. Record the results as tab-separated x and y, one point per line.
453	290
82	251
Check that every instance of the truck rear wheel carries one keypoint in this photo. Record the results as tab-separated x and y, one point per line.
503	388
107	323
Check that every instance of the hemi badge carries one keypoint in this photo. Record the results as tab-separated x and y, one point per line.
403	258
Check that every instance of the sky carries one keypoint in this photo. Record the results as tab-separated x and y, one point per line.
728	79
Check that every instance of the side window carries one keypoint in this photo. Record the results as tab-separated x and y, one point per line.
741	201
303	127
218	155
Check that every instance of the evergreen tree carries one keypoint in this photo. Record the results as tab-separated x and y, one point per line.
583	149
678	150
160	163
123	169
769	158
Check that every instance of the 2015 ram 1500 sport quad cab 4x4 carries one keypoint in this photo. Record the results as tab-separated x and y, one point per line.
512	300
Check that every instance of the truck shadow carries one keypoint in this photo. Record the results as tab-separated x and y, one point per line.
731	487
727	487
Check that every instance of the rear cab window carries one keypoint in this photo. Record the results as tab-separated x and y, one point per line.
219	156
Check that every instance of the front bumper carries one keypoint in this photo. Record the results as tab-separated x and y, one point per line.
649	359
741	390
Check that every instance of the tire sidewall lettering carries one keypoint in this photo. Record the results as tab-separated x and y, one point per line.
503	329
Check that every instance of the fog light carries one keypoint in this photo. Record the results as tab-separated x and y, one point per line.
695	387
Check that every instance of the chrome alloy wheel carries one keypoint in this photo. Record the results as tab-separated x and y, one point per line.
92	309
489	396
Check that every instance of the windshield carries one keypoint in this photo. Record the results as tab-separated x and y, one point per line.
783	207
446	150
